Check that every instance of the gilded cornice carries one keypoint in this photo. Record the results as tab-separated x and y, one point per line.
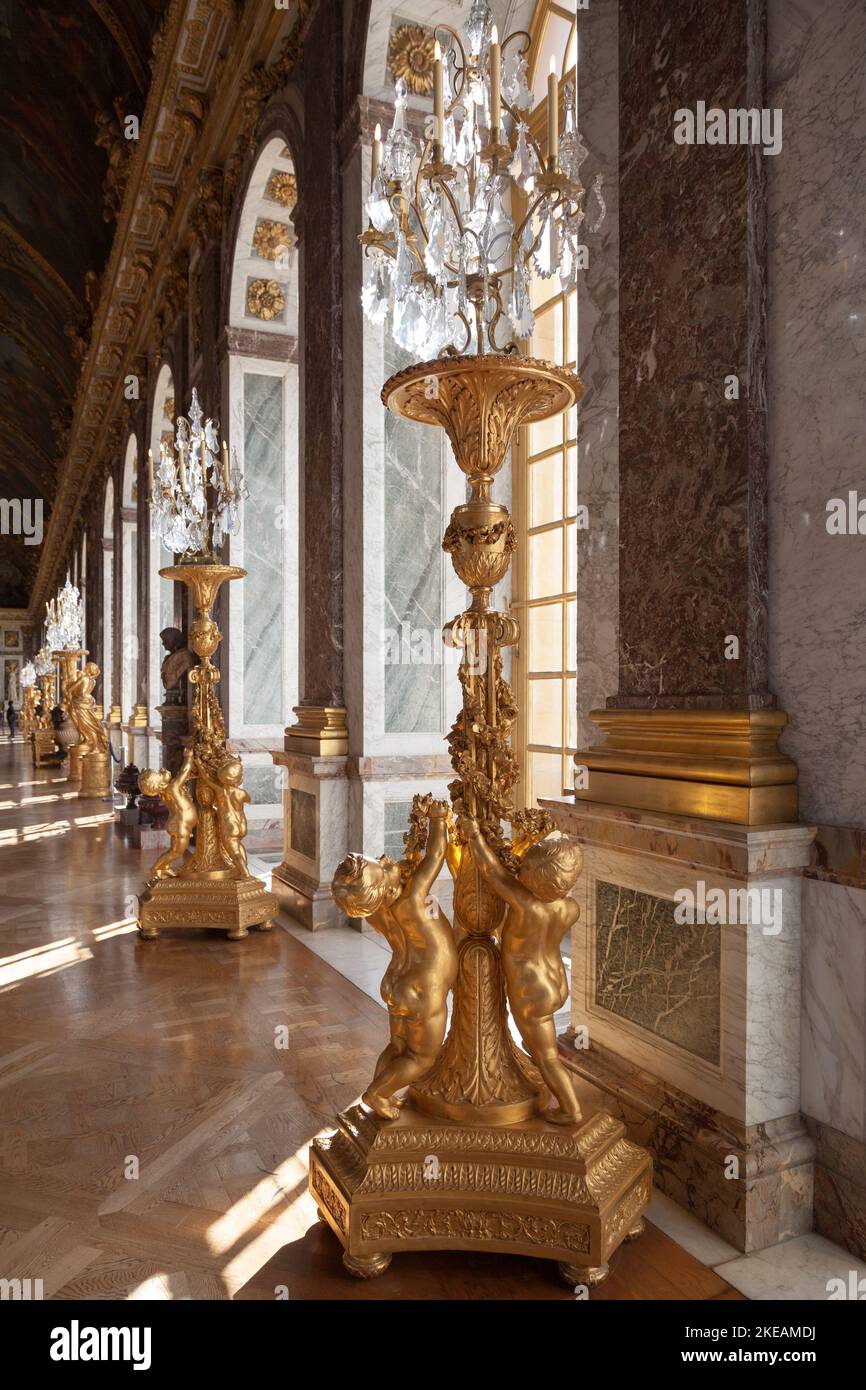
209	55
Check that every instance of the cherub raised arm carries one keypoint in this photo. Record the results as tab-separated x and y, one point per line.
395	899
183	813
539	914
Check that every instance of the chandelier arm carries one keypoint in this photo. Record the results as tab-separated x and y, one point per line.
518	235
517	34
518	118
458	71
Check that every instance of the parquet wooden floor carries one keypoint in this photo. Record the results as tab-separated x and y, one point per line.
120	1057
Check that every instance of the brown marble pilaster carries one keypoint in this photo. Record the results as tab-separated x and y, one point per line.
321	363
692	728
693	465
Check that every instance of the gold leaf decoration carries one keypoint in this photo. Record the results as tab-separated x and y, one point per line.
271	238
410	56
282	188
265	299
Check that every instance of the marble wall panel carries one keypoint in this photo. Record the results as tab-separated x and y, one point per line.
834	1007
692	481
817	340
656	973
263	588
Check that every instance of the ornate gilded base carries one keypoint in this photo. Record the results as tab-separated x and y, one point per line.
45	750
533	1188
75	761
229	904
95	775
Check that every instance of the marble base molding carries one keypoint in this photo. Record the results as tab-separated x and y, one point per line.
752	1184
840	1187
706	1009
720	764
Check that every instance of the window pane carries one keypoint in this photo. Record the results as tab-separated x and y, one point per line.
571	487
548	334
545	637
571	635
570	712
545	490
545	564
547	434
571	557
546	773
545	712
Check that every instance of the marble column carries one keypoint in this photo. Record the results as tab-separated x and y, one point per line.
693	725
315	796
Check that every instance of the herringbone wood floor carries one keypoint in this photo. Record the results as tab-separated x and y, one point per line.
114	1051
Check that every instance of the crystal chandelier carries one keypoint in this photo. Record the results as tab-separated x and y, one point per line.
44	662
443	236
64	619
28	675
180	517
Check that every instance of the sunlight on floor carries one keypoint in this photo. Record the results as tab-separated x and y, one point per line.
42	960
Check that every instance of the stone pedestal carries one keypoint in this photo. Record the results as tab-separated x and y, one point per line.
692	1029
175	731
315	821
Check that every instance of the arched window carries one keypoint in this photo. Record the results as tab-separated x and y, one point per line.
129	581
545	501
108	597
262	426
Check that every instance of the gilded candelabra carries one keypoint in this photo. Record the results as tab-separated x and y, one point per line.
488	1149
93	757
209	885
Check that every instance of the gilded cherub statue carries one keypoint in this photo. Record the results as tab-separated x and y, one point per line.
229	800
183	812
539	914
84	711
395	897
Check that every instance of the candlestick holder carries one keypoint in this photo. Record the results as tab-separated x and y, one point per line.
210	886
474	1157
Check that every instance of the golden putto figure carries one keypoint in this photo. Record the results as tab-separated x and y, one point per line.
395	898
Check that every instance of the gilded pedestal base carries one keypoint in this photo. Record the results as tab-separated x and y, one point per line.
45	750
229	904
533	1188
95	775
75	760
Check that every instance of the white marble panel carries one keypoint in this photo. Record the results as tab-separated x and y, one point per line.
757	1076
833	1085
816	346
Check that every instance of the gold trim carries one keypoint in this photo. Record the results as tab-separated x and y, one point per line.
321	731
715	764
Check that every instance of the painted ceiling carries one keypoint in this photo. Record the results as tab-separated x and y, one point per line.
72	71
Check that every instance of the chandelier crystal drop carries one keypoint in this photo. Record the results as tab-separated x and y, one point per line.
64	619
456	229
180	516
43	661
28	674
